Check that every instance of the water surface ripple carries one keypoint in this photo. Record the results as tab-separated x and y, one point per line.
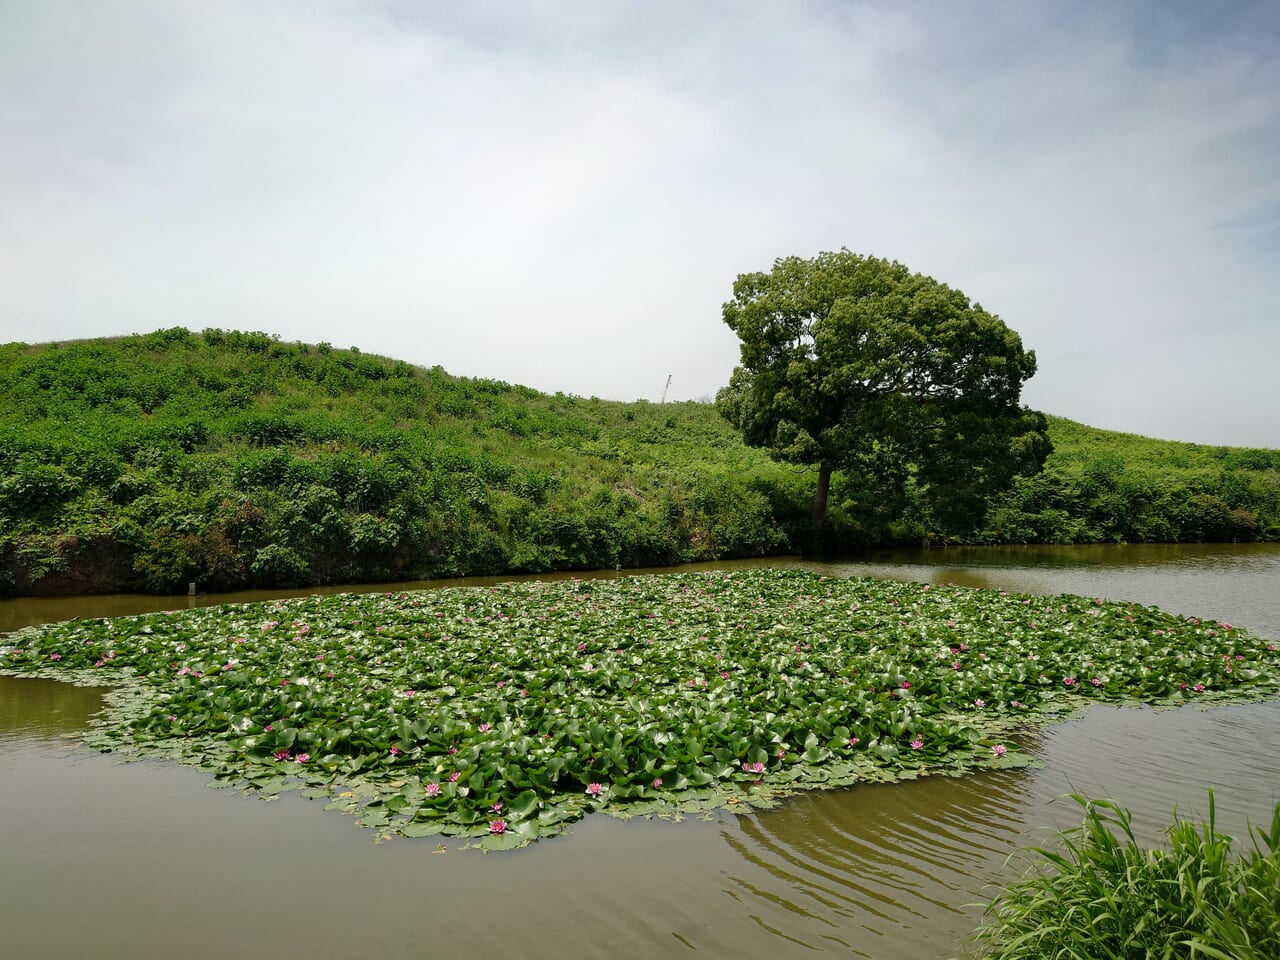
141	860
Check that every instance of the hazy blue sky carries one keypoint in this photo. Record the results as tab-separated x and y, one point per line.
560	194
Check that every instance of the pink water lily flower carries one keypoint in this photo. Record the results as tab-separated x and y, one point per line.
657	783
281	754
433	789
594	789
917	744
484	728
498	826
999	750
453	777
302	758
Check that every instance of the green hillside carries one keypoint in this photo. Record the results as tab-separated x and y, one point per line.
1100	486
234	459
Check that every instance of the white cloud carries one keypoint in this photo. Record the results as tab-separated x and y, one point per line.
561	195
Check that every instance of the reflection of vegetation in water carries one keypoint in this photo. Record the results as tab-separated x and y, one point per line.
895	855
45	708
505	712
1102	895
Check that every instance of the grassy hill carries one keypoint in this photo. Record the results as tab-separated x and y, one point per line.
234	459
1101	486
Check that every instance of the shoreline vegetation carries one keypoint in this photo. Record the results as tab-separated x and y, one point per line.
502	714
1098	893
234	460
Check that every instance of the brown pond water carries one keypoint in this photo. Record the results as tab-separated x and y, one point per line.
104	859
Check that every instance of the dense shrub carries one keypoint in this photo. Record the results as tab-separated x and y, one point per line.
1104	487
232	458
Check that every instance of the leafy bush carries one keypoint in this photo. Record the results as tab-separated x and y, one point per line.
1105	487
184	456
35	488
1106	898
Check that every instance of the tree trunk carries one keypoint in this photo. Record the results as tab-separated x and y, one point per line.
820	498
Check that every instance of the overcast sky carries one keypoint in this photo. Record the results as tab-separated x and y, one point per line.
560	194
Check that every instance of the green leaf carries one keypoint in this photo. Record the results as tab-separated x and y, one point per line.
523	805
502	841
421	829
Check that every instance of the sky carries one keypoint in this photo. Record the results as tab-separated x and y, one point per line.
560	194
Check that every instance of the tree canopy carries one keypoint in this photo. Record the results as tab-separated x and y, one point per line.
854	363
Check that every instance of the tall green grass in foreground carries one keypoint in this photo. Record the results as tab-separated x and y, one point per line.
1105	897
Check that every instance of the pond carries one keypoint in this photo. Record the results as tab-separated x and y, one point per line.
142	859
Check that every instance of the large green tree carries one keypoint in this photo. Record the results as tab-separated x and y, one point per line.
855	363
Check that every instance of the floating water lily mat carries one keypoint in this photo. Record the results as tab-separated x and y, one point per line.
504	713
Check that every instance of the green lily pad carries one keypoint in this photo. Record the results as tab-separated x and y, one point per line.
537	703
